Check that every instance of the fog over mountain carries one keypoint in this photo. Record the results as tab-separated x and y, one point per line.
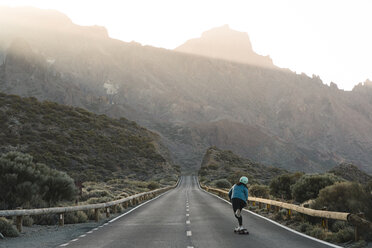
265	113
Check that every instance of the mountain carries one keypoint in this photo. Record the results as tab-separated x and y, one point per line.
219	164
272	116
86	146
351	173
225	43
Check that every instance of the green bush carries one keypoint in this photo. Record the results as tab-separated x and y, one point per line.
308	186
338	225
27	221
316	232
7	229
345	197
76	217
305	227
24	183
153	185
222	184
258	190
45	219
280	186
345	235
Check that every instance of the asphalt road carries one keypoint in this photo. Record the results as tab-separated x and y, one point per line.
189	217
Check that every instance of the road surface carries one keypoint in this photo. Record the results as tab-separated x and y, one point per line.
188	217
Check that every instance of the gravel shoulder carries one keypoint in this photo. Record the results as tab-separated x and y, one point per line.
39	236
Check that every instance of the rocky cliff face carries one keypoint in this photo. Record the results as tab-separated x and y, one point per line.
271	115
225	43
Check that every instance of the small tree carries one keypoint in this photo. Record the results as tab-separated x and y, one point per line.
280	186
308	186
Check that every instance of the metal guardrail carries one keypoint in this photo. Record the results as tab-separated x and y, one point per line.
126	202
354	219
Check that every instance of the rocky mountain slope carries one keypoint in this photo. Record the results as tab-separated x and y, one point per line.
270	115
225	43
219	164
86	146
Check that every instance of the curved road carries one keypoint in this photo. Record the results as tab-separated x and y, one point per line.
188	217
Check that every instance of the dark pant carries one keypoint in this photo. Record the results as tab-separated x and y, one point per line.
238	204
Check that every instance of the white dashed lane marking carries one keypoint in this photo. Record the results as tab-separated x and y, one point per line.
64	245
188	233
187	222
82	236
187	215
74	240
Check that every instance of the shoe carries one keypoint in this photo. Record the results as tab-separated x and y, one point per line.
238	213
241	228
237	229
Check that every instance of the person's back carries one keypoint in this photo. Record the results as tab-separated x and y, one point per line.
238	195
239	191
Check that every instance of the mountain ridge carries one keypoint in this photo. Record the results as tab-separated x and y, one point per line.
186	98
225	43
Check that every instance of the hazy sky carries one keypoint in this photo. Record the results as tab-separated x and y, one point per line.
329	38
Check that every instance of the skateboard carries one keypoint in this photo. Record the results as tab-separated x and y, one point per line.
243	231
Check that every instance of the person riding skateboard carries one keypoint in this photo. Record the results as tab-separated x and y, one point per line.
238	196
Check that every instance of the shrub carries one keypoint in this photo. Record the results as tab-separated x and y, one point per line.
27	221
345	235
308	186
304	227
316	232
45	219
222	183
212	167
7	229
76	217
280	186
257	190
24	183
153	185
345	197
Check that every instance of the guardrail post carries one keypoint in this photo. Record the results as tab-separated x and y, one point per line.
253	203
61	219
277	209
325	224
96	214
289	213
19	223
260	205
268	207
107	212
356	233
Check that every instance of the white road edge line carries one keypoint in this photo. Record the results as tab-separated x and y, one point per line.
123	214
82	236
276	223
137	207
74	240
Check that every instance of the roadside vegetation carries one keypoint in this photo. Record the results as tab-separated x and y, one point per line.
341	191
55	155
